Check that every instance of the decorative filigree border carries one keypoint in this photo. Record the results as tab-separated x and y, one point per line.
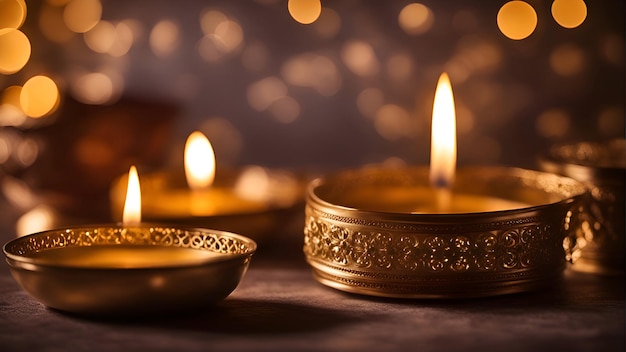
151	236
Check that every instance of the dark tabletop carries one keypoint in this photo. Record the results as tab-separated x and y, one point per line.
279	306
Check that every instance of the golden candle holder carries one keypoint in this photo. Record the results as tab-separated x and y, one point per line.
599	245
369	231
129	270
253	201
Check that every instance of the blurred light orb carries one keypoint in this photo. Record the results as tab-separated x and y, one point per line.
285	109
82	15
210	19
11	113
569	13
123	40
369	101
567	60
40	218
393	122
305	11
93	88
12	14
101	37
51	24
360	58
517	19
416	18
14	51
263	93
39	96
164	38
553	123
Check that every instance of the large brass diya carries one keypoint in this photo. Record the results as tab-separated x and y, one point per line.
599	244
125	270
368	231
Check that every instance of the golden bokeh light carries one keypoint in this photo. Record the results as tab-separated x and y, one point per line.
360	58
567	60
164	38
39	96
416	18
553	123
82	15
93	88
222	35
11	113
569	13
393	122
210	19
51	24
12	14
14	51
315	71
305	11
517	19
285	109
101	37
263	93
27	152
123	40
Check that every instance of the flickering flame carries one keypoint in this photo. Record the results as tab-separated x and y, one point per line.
132	205
443	140
199	161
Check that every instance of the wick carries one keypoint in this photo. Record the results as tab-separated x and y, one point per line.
443	199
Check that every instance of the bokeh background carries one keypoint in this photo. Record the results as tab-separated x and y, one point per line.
89	87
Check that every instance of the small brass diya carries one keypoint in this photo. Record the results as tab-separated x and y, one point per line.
599	242
374	231
129	270
253	201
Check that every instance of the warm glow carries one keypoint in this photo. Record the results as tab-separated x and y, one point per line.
443	139
39	96
199	161
360	58
517	20
12	14
94	88
569	13
14	50
132	205
82	15
305	11
164	38
415	18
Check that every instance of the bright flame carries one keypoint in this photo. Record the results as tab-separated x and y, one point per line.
443	140
199	161
132	205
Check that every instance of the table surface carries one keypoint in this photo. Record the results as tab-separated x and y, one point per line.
279	306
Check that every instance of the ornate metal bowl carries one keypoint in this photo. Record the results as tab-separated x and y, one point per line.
599	244
361	234
121	271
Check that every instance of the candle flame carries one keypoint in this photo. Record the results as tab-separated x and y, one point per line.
443	140
132	205
199	161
